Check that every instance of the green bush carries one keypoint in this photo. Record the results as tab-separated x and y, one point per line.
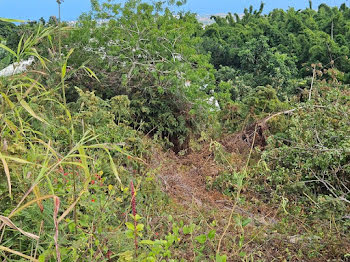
148	54
312	153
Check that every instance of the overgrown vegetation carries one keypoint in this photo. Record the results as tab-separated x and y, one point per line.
140	135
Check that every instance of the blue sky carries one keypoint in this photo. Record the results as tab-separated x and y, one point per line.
71	9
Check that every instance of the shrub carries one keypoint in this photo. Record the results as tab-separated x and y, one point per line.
312	154
148	54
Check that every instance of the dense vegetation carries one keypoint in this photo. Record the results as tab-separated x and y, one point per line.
141	135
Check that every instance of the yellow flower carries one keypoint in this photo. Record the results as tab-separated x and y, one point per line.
118	199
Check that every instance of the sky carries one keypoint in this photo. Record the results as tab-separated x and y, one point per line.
71	9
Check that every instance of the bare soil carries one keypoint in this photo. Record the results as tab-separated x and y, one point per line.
184	178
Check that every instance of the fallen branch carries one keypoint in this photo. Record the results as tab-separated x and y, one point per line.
288	112
281	113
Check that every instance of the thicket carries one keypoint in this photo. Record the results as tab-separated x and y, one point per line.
279	48
82	126
149	55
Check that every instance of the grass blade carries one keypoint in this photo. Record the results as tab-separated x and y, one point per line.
16	159
8	50
19	46
115	171
8	100
83	158
7	173
18	253
19	209
91	73
10	20
37	194
64	67
25	105
10	224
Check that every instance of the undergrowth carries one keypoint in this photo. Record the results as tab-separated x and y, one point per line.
112	148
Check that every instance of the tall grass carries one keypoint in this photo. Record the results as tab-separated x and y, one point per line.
31	157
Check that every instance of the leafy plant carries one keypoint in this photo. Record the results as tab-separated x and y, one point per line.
156	66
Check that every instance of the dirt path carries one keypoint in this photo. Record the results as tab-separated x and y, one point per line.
184	178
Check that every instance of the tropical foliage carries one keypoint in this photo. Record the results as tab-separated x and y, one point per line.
139	134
